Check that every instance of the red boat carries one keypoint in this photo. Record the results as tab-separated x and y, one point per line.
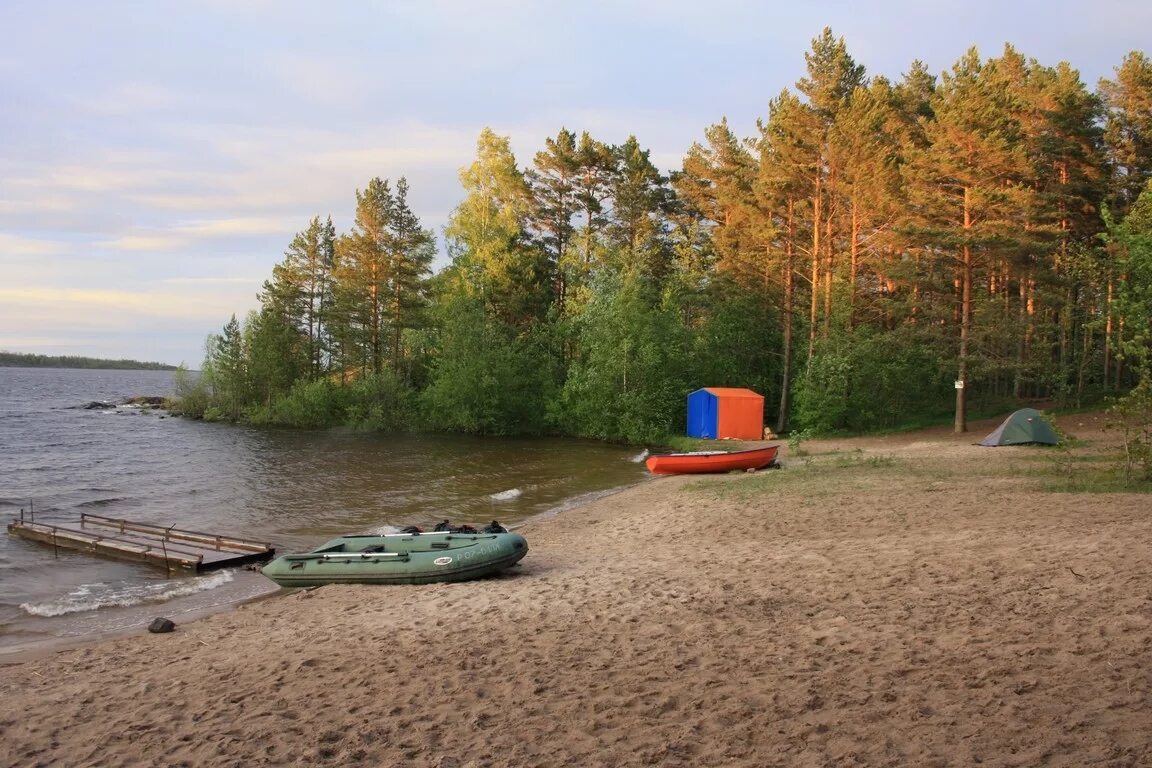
701	462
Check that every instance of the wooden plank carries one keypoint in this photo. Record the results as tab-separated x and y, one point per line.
109	546
143	542
217	542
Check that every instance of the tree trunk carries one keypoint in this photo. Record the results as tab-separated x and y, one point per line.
1108	332
815	298
789	309
854	266
961	423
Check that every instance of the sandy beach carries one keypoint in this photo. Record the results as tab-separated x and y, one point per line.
911	600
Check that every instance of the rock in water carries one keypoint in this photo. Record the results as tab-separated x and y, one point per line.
161	624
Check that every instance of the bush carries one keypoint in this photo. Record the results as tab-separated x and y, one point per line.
377	402
486	379
863	381
1132	415
191	396
627	380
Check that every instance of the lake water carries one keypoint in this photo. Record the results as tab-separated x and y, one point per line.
290	488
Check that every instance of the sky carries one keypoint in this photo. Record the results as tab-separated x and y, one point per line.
157	158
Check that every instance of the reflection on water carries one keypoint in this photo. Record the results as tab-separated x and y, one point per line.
291	488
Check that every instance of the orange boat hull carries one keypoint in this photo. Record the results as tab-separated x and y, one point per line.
706	462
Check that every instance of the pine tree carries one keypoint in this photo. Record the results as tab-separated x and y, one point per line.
1068	175
552	181
969	192
413	249
1128	129
227	365
716	180
866	141
300	289
365	274
640	199
831	80
597	164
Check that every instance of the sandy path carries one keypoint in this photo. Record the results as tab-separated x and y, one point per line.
911	600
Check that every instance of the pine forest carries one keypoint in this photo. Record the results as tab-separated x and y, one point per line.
879	254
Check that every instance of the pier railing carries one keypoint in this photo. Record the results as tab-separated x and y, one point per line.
170	547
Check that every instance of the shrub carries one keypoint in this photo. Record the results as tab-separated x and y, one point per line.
863	381
1132	415
377	402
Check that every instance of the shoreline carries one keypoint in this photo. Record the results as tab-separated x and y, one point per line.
907	600
18	653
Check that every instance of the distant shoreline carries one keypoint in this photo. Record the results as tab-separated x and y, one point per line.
22	360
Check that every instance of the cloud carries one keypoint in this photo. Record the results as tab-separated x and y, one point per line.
247	281
144	243
104	175
127	306
15	245
184	235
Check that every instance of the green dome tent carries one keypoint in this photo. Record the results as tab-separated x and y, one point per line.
1024	426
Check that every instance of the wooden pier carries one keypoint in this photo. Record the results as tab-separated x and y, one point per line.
170	548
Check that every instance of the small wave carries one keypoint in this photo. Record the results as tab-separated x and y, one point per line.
508	495
639	457
91	597
100	502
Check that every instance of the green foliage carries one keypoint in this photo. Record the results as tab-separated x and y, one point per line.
376	402
484	380
1133	299
226	370
901	235
487	233
191	396
1132	416
796	439
863	381
310	404
379	403
737	342
278	355
628	381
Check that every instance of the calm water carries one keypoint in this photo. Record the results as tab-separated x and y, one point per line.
292	489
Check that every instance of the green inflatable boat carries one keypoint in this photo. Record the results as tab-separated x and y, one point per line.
400	558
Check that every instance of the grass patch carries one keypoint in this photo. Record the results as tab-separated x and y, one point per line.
1108	481
817	476
1057	470
814	477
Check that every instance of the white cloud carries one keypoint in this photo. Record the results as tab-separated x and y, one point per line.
117	308
245	281
15	245
249	225
144	243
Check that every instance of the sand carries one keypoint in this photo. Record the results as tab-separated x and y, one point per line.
907	601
